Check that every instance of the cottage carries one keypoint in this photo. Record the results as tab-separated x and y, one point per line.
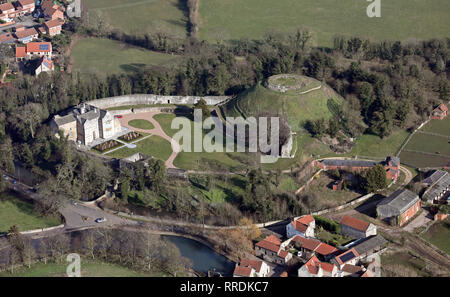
401	206
51	10
251	268
270	249
316	268
349	257
349	270
303	226
438	186
27	35
440	112
355	228
21	53
45	65
53	27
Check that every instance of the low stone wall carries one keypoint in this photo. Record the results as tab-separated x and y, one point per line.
141	99
43	229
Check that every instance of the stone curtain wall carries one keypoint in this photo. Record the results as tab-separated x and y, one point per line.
139	99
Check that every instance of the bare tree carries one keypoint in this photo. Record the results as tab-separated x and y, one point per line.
29	253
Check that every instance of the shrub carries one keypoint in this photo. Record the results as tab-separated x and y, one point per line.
328	224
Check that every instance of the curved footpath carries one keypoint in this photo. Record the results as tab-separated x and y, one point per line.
157	130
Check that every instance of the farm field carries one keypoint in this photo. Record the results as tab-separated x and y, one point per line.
154	146
141	16
401	19
430	146
14	211
105	56
439	235
438	126
88	269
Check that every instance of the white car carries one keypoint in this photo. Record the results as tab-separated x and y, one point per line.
100	220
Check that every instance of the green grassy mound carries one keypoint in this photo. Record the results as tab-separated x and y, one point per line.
154	146
298	107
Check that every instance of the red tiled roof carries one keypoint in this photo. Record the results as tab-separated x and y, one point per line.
6	37
327	266
26	33
33	47
21	52
306	220
307	243
255	264
270	243
242	271
6	6
313	265
299	226
443	107
325	249
355	223
26	2
283	254
54	23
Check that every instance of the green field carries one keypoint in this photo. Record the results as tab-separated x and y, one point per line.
438	126
429	144
418	160
14	211
105	56
298	108
439	235
140	16
141	124
88	269
400	19
154	146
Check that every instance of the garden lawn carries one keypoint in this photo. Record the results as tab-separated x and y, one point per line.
141	16
14	211
400	19
104	56
154	146
141	124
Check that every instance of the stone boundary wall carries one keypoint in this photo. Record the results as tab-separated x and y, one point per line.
142	99
43	229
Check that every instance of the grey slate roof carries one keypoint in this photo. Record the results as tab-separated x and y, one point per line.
434	177
369	244
64	119
438	188
397	203
350	163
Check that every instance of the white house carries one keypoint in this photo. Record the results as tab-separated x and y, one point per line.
303	226
316	268
251	268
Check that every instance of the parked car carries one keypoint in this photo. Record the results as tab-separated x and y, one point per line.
119	116
100	220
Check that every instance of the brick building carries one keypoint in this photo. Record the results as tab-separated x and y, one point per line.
440	112
391	164
402	205
270	249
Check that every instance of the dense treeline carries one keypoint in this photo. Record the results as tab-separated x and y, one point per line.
385	85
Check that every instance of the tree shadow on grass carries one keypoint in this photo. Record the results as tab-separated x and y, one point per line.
134	67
